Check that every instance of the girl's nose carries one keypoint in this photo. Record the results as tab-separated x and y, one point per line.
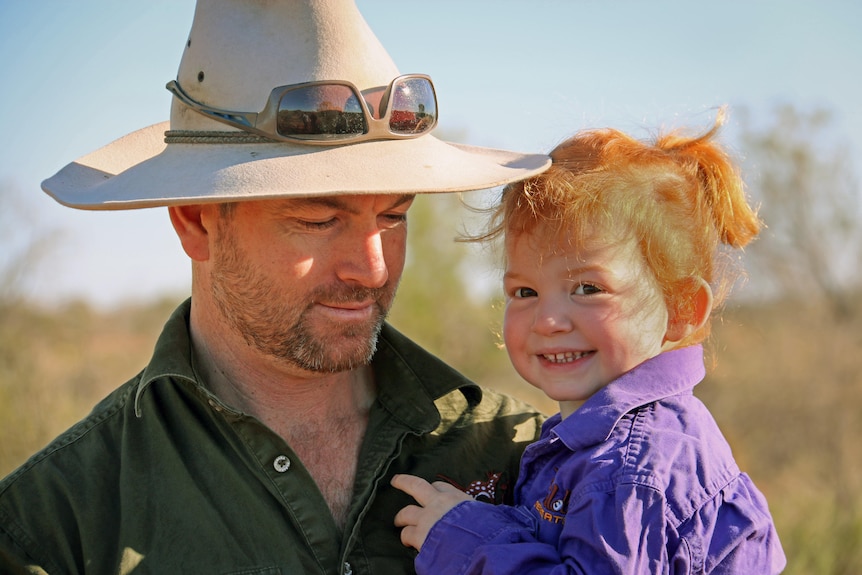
551	318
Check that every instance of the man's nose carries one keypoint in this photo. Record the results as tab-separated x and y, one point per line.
364	262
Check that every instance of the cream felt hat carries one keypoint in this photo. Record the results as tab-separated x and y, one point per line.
239	51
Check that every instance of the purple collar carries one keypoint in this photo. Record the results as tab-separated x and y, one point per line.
666	374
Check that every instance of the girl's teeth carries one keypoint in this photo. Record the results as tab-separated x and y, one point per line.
566	357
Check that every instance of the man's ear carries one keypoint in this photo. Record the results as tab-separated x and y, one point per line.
189	223
691	319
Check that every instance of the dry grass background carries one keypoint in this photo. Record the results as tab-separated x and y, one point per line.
55	365
786	389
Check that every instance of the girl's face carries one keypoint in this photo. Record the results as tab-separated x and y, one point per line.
578	317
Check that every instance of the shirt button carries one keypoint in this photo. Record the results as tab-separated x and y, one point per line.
281	463
348	570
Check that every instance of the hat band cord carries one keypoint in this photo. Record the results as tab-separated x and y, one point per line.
232	137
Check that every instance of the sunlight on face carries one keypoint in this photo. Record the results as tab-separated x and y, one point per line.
303	267
301	281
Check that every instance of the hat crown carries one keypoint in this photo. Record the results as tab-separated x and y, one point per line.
239	50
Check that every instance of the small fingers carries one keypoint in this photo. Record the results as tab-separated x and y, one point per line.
443	487
434	499
415	524
410	538
412	533
408	516
416	487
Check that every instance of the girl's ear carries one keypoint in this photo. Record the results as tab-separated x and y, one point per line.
689	320
191	229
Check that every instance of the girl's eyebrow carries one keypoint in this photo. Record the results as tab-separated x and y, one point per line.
511	275
570	272
586	268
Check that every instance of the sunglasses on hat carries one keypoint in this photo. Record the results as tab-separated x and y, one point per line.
334	112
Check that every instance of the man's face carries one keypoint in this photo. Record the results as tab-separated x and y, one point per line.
309	281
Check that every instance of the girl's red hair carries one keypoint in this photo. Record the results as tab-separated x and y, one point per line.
682	198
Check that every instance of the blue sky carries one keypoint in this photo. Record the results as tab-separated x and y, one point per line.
510	74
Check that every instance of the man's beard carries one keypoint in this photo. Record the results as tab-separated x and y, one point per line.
257	310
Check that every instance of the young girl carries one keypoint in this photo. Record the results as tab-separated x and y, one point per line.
614	267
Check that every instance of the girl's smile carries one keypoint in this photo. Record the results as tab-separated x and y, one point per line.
580	316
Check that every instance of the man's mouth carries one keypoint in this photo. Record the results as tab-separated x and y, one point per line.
343	311
566	357
349	306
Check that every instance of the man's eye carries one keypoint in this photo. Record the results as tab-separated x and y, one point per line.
587	289
524	292
393	220
317	226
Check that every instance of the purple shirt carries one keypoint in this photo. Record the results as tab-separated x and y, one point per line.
638	480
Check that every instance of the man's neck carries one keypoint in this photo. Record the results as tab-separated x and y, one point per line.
270	389
323	417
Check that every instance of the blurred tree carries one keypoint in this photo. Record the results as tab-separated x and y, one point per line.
440	304
25	244
444	301
811	206
811	251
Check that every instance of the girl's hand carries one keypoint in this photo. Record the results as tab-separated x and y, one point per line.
434	499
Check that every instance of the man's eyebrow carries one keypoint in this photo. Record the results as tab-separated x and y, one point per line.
337	203
403	199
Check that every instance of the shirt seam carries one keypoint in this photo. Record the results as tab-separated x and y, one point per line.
25	543
72	435
504	527
632	475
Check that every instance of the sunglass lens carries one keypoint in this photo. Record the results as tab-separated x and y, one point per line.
330	111
414	106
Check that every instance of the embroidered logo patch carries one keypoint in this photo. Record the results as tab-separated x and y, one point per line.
553	508
490	489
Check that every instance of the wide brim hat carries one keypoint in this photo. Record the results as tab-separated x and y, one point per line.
237	52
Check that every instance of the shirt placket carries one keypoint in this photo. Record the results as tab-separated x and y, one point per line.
384	447
285	476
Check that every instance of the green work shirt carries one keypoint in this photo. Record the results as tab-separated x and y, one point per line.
162	477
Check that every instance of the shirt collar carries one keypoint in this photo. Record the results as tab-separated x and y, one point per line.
664	375
172	357
409	379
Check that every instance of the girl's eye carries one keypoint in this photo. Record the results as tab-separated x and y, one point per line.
587	289
524	292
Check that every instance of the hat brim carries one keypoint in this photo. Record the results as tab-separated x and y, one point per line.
141	171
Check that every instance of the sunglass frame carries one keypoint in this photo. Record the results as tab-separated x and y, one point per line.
265	122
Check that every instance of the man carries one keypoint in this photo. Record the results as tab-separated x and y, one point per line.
262	435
